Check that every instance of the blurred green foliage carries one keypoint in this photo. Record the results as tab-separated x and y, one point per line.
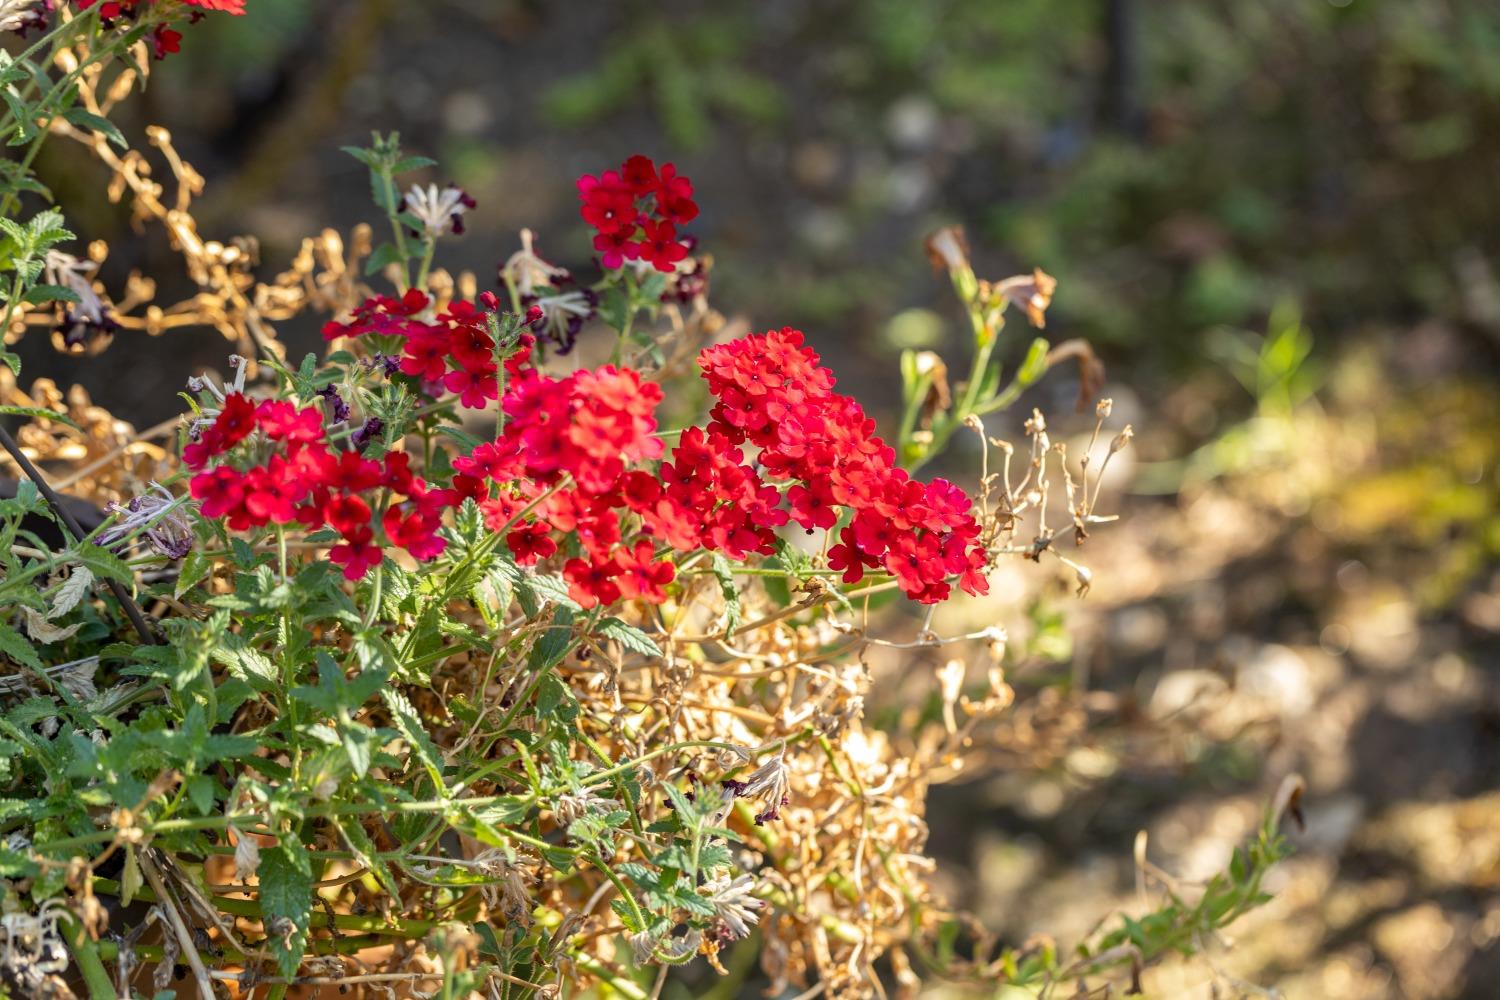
1183	167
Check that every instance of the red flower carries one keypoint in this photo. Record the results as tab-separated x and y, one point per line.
346	514
616	248
357	553
639	174
641	575
415	532
353	473
608	202
660	246
234	423
635	212
273	491
591	583
475	386
674	198
382	315
284	422
218	492
165	41
530	543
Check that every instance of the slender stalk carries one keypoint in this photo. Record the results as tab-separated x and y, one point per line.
86	954
127	603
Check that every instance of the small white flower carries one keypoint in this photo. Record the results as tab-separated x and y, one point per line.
733	903
439	210
19	15
526	271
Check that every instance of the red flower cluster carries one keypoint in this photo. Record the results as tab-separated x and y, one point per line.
773	394
305	480
454	351
164	40
590	426
612	204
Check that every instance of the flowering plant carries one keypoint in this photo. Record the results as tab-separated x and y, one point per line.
438	660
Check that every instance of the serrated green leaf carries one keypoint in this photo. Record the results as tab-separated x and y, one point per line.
628	636
16	646
42	294
725	575
410	726
194	570
285	875
105	564
554	642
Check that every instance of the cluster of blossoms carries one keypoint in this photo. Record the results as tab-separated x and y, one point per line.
164	40
454	351
635	212
772	393
587	427
571	472
304	478
566	451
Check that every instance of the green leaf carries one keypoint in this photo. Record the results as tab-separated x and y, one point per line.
549	588
246	663
628	636
554	643
105	564
410	726
365	852
14	645
725	575
36	412
385	255
42	294
407	164
285	874
552	695
195	568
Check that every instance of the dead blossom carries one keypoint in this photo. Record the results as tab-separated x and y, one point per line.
20	15
769	783
157	516
512	892
573	806
734	903
1031	293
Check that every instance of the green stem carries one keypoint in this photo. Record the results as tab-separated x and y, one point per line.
86	954
429	246
374	610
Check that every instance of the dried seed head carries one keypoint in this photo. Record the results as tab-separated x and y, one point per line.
1121	439
1103	408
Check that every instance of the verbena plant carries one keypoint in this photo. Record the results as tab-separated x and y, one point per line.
436	663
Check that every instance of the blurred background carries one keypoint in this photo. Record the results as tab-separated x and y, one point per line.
1278	223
